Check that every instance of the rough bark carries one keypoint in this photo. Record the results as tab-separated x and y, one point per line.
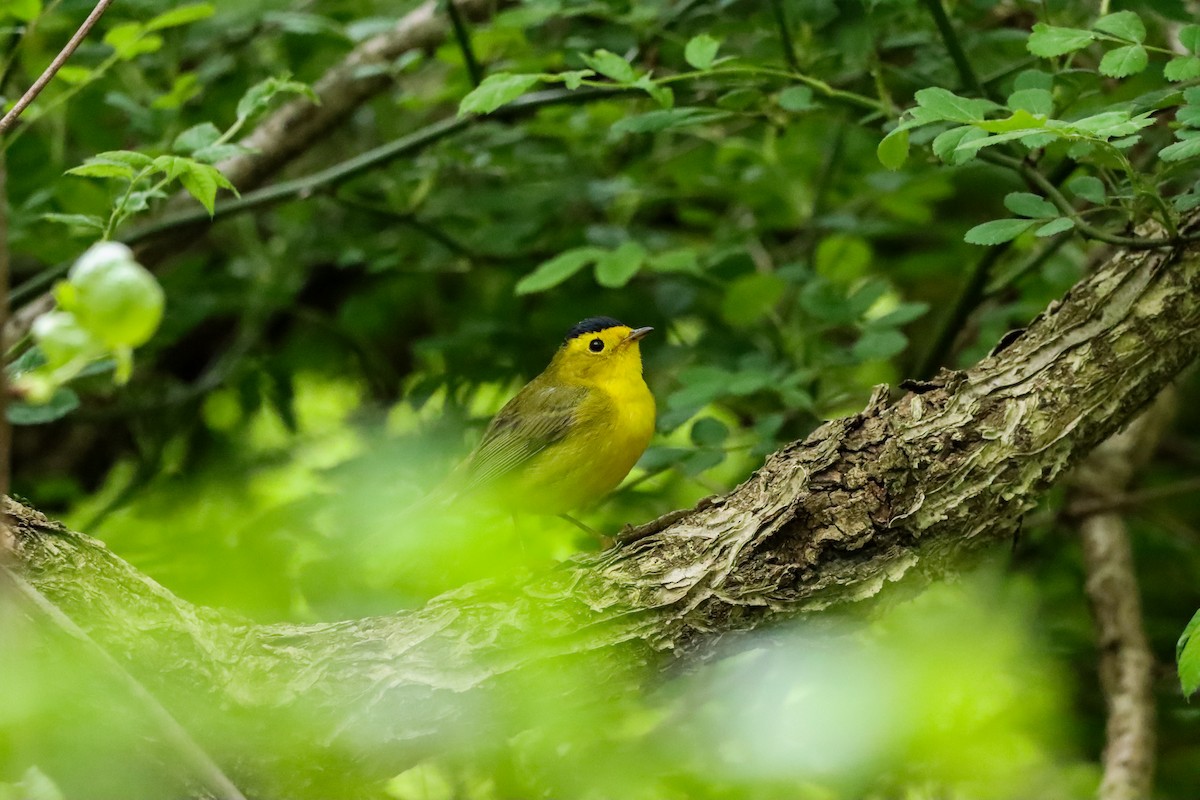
899	491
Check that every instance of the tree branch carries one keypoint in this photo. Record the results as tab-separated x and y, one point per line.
1126	663
896	492
10	119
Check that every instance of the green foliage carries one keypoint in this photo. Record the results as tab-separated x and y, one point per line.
1187	654
793	231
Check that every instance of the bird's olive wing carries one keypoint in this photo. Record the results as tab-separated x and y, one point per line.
536	418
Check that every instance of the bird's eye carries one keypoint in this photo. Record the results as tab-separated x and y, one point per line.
596	345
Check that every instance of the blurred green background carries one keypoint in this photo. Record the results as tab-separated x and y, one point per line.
324	361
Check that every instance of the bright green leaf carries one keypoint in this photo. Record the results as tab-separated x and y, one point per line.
1182	68
1034	79
892	152
97	169
22	10
944	104
1124	61
1123	24
616	268
945	144
77	220
1188	148
1055	226
701	51
750	298
196	137
553	272
202	182
997	231
495	91
1035	101
181	15
1187	653
1189	37
1048	41
879	344
610	65
1027	204
258	96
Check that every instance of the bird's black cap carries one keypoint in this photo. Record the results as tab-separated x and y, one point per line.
592	325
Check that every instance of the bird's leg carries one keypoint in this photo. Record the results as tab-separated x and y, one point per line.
605	541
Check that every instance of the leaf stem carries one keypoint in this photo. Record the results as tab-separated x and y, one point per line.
785	35
463	36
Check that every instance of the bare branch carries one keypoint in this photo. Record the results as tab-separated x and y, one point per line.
1126	663
9	119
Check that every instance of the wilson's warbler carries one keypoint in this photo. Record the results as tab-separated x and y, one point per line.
572	433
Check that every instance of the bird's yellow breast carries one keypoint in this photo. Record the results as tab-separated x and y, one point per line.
612	428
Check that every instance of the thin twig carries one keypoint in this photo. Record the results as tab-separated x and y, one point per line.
966	73
785	35
47	75
1039	181
172	732
463	37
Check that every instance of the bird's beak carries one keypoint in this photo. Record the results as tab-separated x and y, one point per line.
636	334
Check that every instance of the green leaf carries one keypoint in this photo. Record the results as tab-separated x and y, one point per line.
23	10
709	432
1034	79
1187	654
258	96
1189	37
701	51
1034	101
494	91
1124	24
77	220
1189	116
661	94
74	75
1124	61
893	150
131	39
945	145
1087	188
61	403
997	231
1188	148
943	104
610	65
1027	204
901	315
196	137
796	98
1055	226
202	182
558	269
663	119
572	79
617	267
1048	41
100	169
683	259
183	15
750	298
879	344
130	158
1182	68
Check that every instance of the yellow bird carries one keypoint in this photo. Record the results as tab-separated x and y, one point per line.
573	432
